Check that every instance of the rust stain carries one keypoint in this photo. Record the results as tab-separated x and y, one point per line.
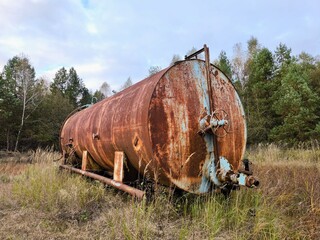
156	123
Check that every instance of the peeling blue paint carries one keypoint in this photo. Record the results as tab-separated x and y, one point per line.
209	142
215	123
224	78
209	176
212	170
244	117
198	73
224	164
205	185
184	127
242	179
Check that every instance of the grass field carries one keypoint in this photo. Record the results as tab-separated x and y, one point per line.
37	201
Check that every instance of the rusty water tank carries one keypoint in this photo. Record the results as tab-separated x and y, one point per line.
172	126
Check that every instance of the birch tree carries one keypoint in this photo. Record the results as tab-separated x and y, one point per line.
238	65
126	84
105	89
27	91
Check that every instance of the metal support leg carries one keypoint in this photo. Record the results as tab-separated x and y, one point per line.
84	161
118	166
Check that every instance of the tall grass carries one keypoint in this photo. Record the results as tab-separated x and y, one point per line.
42	202
42	186
303	154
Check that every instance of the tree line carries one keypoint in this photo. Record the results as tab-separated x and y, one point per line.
280	93
32	109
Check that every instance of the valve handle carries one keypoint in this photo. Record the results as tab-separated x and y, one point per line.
223	129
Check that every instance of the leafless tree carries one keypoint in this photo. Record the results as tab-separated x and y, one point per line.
105	89
127	84
28	91
238	64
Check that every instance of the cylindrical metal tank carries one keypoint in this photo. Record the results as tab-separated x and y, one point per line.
172	126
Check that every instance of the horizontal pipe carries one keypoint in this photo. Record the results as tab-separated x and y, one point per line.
133	191
195	54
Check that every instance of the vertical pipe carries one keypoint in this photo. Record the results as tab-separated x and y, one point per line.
211	102
207	62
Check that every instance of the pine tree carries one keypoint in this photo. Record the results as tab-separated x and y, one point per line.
258	96
297	105
71	86
224	64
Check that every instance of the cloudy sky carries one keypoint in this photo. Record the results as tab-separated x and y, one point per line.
113	40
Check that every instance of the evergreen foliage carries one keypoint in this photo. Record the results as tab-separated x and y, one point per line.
71	86
280	93
296	104
258	94
224	64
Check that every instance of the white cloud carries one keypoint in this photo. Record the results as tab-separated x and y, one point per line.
12	43
112	40
91	28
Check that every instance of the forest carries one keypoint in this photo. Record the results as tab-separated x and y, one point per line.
280	93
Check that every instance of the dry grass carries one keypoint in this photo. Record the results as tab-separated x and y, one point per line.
291	182
39	202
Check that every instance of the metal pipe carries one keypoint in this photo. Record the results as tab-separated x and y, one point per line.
195	54
251	182
132	191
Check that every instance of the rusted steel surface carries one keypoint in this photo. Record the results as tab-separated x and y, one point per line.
179	101
132	191
168	128
120	121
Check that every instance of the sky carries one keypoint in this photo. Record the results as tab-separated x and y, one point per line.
110	41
